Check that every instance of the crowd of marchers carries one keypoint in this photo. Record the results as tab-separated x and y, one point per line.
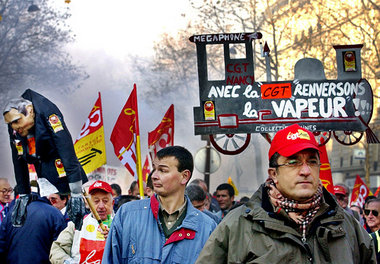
291	218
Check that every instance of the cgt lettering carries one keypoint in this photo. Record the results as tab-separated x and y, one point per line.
292	136
276	90
362	195
93	121
237	68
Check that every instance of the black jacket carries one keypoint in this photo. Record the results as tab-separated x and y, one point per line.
53	148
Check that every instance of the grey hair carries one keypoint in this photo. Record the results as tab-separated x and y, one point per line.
197	181
19	104
374	200
195	193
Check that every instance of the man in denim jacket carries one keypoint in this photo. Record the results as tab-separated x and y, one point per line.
165	228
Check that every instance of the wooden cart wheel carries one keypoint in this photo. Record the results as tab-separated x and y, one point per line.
322	137
348	137
230	144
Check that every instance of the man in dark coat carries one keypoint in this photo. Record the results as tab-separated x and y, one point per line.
31	242
291	218
39	136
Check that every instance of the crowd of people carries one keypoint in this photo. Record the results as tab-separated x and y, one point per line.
291	218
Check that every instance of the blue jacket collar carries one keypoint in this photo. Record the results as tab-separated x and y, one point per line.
190	221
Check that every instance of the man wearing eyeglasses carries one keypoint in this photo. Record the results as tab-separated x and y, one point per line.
5	197
371	214
291	218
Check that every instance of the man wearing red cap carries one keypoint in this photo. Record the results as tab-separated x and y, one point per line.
341	193
291	218
86	245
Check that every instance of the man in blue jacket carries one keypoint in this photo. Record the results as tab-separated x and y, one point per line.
39	136
31	242
165	228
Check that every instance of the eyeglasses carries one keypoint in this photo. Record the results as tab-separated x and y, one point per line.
374	212
5	191
340	196
313	164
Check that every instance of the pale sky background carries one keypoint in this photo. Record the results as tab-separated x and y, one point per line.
107	33
122	27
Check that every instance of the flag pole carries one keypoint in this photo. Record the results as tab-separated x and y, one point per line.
138	151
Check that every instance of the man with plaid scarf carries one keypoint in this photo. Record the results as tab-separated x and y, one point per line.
291	218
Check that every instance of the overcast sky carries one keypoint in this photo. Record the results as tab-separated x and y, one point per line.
107	34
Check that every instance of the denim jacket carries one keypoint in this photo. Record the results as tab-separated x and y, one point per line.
136	235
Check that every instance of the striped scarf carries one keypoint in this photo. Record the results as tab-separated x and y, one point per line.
301	213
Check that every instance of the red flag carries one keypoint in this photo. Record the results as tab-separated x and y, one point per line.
145	169
360	192
325	170
124	134
90	145
163	135
377	191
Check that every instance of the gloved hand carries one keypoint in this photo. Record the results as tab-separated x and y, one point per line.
19	210
75	207
76	210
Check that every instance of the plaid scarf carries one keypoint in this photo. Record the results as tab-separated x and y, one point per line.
301	213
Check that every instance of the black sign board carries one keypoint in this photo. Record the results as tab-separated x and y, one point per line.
240	104
268	107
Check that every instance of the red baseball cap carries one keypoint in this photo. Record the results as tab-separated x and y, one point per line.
100	185
339	190
291	140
